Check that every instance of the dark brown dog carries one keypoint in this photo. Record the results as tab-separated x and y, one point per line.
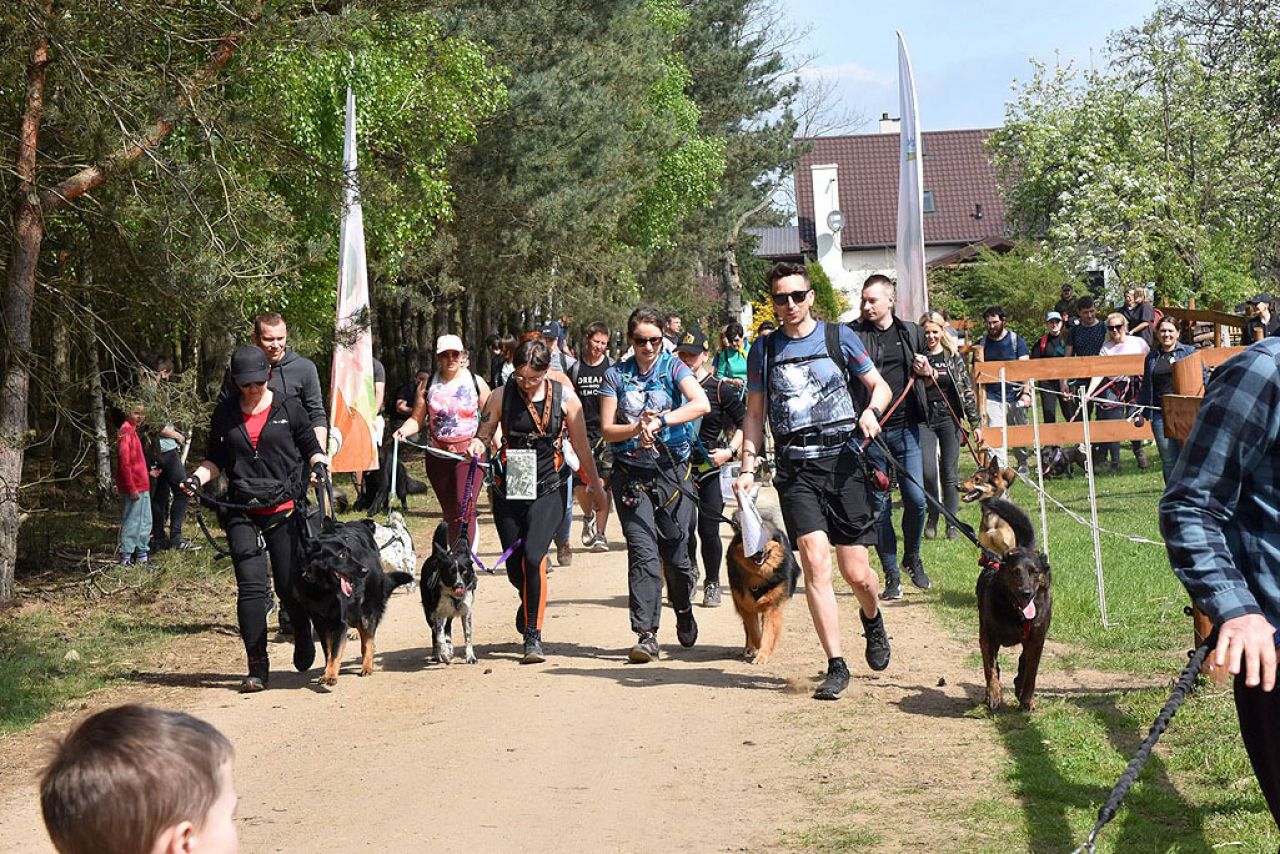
761	586
990	483
1015	606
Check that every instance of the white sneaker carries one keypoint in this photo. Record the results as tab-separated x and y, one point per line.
588	531
600	544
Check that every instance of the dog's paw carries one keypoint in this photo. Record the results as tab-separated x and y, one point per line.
993	701
365	671
760	659
328	680
749	653
471	656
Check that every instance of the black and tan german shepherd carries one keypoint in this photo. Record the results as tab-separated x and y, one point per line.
1015	605
342	584
988	487
760	590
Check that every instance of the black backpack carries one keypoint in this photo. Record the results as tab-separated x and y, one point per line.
831	336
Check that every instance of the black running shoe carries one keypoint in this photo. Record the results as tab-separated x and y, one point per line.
645	650
915	567
836	682
686	628
892	589
877	640
533	648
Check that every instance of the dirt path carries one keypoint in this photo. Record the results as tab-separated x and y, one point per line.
699	752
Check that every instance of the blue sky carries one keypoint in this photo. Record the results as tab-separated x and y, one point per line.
965	55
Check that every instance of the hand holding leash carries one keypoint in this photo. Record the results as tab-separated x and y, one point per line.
869	423
1248	639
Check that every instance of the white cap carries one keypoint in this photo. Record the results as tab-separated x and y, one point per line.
445	343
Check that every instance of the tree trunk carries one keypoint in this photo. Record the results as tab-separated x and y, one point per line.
65	435
732	285
20	283
98	405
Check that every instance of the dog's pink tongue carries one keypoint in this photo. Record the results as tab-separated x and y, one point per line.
1030	611
458	591
346	585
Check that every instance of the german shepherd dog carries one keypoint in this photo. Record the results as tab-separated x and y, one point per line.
342	584
1015	606
448	588
760	586
988	485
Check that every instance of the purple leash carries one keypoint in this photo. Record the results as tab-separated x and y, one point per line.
464	522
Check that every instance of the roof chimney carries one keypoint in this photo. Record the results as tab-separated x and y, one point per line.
888	125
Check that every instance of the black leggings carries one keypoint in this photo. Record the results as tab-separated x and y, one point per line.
171	476
710	508
941	438
536	523
254	576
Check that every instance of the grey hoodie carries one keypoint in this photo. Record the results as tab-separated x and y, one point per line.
293	376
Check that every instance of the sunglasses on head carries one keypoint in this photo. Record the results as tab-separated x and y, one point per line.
1115	326
647	342
796	297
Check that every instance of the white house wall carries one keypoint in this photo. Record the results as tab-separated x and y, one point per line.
857	264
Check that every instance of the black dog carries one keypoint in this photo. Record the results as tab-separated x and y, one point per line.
448	585
342	584
1015	606
376	496
1058	460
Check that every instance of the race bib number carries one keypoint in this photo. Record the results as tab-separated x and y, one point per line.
522	474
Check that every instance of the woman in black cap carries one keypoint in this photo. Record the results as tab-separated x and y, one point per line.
717	442
264	443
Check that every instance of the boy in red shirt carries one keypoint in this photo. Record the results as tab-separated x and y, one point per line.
133	482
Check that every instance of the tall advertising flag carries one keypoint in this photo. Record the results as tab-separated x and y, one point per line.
913	292
351	414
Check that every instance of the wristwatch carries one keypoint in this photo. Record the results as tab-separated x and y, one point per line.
875	410
662	420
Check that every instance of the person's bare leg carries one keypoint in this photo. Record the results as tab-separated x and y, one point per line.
815	560
602	517
855	566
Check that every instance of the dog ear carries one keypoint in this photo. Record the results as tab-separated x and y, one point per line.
440	542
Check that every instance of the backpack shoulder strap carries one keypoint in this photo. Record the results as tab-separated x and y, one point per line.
556	427
834	351
574	371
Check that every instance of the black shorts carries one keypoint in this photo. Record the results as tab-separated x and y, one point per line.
829	494
602	453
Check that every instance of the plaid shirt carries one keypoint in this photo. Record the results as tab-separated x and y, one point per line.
1221	512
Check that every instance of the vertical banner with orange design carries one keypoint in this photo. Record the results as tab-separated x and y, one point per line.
351	417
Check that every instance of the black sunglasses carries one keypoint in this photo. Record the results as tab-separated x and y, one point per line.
1110	326
796	297
652	342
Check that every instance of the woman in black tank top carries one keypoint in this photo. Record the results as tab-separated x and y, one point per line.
537	414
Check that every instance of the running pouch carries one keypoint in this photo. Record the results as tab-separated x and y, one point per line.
521	482
258	491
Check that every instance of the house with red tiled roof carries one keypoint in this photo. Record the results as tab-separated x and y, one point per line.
847	200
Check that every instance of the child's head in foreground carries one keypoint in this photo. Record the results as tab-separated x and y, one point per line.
140	780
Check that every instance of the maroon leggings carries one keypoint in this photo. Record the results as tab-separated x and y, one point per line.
449	480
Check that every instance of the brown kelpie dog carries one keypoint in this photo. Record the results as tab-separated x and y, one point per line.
1015	605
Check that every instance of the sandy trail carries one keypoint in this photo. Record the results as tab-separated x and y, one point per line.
698	752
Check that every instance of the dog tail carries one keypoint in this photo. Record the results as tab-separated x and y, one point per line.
1024	533
396	579
395	519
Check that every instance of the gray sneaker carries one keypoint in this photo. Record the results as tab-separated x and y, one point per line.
645	650
589	532
533	653
711	595
600	544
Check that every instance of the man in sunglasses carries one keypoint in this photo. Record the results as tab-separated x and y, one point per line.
800	376
897	349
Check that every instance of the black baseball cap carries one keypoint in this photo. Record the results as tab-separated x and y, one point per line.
249	365
551	329
692	341
1262	297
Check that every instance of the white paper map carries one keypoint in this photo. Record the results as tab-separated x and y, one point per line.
753	536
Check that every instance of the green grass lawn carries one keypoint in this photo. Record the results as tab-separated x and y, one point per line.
1197	794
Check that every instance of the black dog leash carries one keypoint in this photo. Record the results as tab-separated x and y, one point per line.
1186	681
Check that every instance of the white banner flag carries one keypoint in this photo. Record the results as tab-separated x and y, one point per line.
351	416
913	292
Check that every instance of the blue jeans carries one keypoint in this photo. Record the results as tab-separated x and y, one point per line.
1169	448
904	443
